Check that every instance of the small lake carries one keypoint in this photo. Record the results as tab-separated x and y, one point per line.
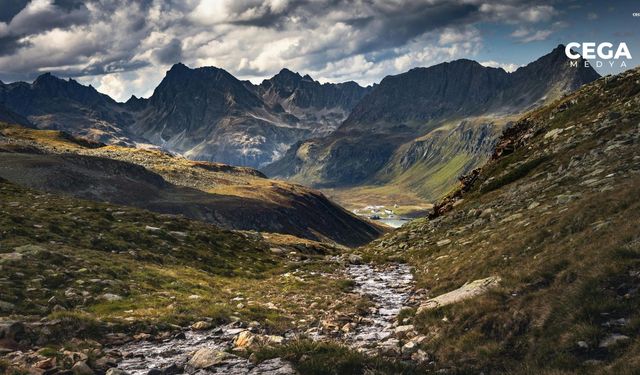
395	222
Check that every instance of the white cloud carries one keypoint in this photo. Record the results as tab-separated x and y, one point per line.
508	67
526	35
124	47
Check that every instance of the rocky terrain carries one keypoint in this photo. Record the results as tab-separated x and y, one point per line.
52	103
394	135
531	266
322	107
230	197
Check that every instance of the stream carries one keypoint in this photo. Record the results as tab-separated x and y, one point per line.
389	288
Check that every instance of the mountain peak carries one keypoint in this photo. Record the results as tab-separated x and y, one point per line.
284	72
46	78
179	66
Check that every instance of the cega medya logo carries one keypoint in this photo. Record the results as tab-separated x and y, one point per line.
600	54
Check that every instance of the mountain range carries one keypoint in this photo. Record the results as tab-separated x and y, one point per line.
418	130
204	114
424	128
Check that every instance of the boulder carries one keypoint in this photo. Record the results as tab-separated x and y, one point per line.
465	292
81	368
208	357
275	366
115	371
403	331
408	349
244	340
355	259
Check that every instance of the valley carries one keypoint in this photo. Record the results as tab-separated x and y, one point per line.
521	256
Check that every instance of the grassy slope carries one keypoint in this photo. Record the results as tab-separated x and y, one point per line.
86	249
562	235
233	191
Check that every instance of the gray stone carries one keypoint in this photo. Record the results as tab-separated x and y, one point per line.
81	368
275	366
467	291
115	371
208	357
355	259
613	339
110	297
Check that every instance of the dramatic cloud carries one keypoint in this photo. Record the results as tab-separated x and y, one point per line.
123	47
508	67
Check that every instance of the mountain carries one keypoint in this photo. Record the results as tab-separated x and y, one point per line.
384	135
207	114
204	114
532	264
8	116
322	107
229	197
53	103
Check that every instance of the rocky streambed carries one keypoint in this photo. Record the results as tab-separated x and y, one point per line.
389	288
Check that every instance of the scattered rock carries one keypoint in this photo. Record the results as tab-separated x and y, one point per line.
110	297
355	259
420	356
115	371
613	339
582	345
403	331
244	339
408	349
201	326
444	242
46	364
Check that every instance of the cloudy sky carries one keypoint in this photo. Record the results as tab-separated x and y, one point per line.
124	47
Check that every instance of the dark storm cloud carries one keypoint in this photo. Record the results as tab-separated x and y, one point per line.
394	26
250	37
171	53
10	8
9	45
24	18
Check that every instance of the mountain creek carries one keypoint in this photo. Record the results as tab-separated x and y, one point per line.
389	287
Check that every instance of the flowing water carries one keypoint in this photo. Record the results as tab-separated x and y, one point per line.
389	288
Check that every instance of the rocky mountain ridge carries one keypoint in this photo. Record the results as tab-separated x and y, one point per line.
205	113
385	129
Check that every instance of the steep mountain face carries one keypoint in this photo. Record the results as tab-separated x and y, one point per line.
230	197
204	114
52	103
207	114
321	107
381	130
9	116
552	220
